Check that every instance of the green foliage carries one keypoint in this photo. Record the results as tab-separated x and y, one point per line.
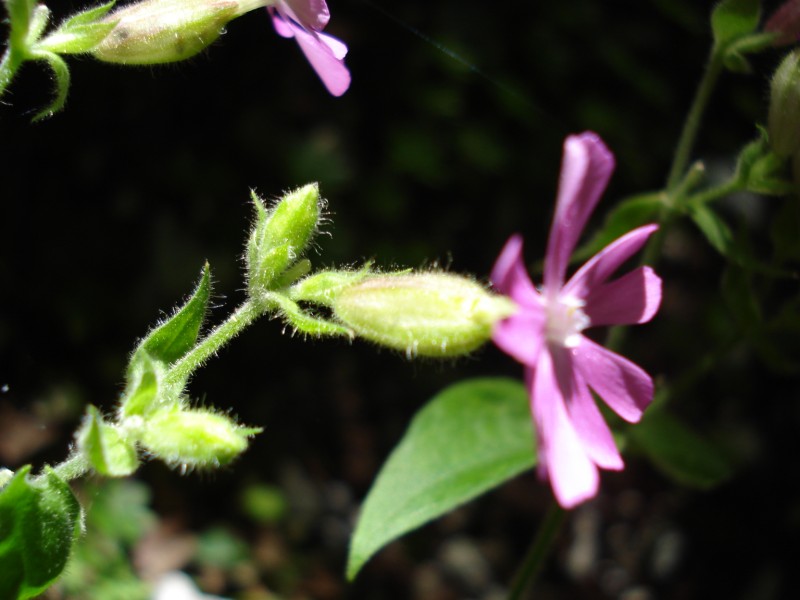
109	452
100	567
470	438
679	452
171	340
39	520
733	24
80	33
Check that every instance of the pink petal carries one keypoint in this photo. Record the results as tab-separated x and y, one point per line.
325	54
281	25
603	264
521	335
585	171
632	298
510	277
562	457
624	386
311	14
592	428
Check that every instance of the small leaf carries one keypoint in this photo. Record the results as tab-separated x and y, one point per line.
109	453
87	16
39	520
732	19
77	39
470	438
304	322
172	339
62	79
679	452
145	377
713	228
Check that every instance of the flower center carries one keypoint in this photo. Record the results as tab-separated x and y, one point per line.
565	321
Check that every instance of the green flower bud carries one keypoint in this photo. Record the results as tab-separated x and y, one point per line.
783	121
194	438
425	314
163	31
280	236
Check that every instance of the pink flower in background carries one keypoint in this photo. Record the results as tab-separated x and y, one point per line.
785	21
304	20
545	334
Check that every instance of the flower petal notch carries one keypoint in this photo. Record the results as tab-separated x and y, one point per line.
304	21
562	366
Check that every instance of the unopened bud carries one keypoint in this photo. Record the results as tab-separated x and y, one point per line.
783	121
425	314
163	31
785	22
195	438
280	236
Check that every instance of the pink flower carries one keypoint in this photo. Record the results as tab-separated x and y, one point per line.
545	334
304	20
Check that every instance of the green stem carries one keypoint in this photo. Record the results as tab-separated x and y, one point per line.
690	128
72	468
8	68
180	372
538	552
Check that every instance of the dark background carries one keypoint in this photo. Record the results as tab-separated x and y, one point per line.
110	208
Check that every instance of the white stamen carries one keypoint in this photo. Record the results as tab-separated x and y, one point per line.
565	321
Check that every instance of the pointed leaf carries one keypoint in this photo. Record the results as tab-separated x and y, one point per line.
172	339
679	452
109	453
87	16
39	520
470	438
145	379
713	228
304	322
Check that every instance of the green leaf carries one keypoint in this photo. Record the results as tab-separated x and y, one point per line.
172	339
304	322
679	452
145	377
77	39
109	453
627	215
87	16
732	19
470	438
713	228
62	79
39	520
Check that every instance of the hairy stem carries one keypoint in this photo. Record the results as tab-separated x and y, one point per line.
243	316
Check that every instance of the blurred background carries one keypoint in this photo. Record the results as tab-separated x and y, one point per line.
448	141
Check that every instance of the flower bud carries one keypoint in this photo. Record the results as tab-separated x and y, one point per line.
425	314
163	31
194	438
785	22
280	236
783	120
